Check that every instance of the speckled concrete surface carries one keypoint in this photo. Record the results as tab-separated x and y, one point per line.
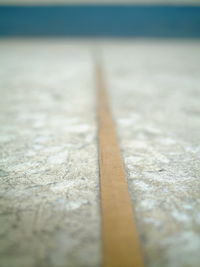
49	192
155	92
49	209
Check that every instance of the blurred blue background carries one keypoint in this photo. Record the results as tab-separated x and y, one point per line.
91	19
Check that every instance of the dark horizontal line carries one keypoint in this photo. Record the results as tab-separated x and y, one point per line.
101	20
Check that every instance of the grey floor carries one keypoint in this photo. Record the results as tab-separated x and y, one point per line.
49	192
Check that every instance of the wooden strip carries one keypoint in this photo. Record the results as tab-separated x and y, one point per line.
120	239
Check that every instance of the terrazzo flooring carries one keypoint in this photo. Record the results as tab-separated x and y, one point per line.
49	188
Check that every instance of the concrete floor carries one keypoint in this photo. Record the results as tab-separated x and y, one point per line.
156	103
49	193
49	179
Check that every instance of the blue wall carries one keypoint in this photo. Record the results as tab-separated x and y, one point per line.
101	21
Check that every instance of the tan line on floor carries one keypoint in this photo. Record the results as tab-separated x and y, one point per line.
121	246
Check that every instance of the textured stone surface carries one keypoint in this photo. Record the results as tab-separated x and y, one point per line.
49	207
154	87
49	210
